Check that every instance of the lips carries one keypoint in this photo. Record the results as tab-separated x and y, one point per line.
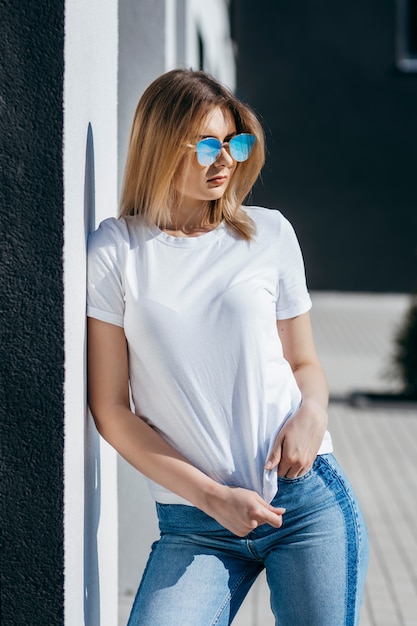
217	180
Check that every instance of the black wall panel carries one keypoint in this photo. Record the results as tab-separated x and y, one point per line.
341	125
31	308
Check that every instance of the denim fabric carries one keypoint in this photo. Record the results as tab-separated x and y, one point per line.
198	573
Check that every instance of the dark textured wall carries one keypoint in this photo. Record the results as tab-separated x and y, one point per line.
341	125
31	305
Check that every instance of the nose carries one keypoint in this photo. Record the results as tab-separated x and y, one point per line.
224	158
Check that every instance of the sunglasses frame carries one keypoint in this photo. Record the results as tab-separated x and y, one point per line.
208	159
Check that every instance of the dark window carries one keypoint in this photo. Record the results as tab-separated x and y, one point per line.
406	43
412	27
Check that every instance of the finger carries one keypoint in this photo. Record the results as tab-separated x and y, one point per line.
273	518
277	510
275	456
291	464
295	470
285	467
290	469
271	515
292	473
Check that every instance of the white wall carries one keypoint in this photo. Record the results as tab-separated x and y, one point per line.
90	188
154	36
159	35
212	21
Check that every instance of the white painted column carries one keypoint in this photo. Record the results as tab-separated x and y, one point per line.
90	195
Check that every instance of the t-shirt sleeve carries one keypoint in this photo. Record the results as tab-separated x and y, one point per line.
293	297
105	292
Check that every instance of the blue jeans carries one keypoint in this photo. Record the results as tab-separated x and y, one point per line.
198	573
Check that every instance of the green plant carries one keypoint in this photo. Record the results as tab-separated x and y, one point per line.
405	350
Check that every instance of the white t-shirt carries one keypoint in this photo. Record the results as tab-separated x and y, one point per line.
205	360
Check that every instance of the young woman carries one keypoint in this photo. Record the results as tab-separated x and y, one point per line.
198	311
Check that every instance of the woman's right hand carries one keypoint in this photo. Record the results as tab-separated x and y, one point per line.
240	510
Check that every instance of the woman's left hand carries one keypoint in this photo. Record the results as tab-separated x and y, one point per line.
298	441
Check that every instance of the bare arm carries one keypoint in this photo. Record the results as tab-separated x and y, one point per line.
239	510
300	438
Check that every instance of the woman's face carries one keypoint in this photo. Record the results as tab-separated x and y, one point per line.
196	183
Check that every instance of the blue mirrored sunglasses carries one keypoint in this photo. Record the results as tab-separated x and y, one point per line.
208	150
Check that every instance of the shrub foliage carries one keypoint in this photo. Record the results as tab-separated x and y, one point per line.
405	350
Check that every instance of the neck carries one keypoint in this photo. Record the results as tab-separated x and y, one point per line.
190	221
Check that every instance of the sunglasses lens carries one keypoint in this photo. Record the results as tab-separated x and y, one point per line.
241	146
208	150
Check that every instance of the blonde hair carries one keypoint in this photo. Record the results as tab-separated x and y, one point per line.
169	116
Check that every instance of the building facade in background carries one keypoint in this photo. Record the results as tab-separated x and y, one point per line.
335	87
